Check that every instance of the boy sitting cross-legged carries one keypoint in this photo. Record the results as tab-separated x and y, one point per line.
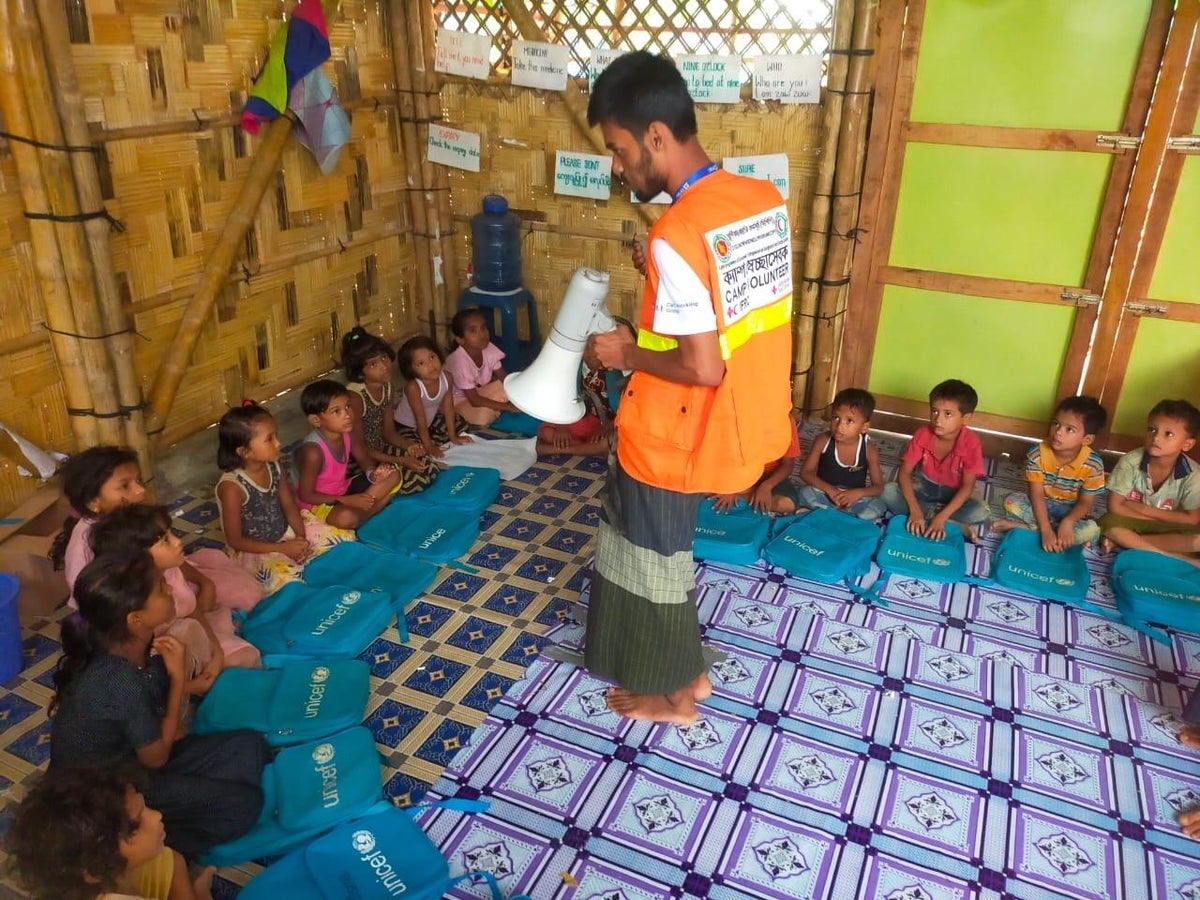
1065	476
1154	492
837	467
940	466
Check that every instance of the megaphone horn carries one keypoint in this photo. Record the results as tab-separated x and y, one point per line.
548	389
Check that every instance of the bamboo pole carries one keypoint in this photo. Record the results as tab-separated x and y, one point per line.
818	235
451	268
413	150
572	96
847	182
52	280
60	193
420	86
216	268
87	183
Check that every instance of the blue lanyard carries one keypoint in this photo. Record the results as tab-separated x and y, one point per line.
693	178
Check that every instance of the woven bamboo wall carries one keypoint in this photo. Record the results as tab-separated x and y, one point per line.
163	62
520	131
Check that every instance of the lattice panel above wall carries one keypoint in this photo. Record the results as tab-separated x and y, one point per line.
746	28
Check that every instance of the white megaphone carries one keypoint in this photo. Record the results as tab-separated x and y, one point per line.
548	389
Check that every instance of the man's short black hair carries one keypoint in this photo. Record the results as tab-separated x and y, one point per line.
862	402
958	391
1180	410
315	398
639	88
1089	409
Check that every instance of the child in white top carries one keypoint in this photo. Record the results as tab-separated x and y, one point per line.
426	408
476	368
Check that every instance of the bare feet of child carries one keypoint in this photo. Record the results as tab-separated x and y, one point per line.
1107	546
971	533
1002	525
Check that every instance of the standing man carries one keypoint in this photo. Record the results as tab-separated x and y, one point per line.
708	404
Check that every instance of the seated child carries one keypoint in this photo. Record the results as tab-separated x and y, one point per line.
1065	476
264	527
88	835
368	362
855	485
940	466
102	479
1154	492
593	434
774	491
205	630
475	370
119	700
324	456
426	408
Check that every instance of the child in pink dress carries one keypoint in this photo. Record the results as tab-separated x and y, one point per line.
205	629
476	370
105	478
426	407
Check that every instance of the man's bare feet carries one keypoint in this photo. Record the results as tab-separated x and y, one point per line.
1189	821
1190	736
676	708
701	688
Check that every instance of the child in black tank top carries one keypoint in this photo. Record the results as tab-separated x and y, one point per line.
842	468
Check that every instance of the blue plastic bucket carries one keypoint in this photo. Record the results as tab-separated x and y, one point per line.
12	653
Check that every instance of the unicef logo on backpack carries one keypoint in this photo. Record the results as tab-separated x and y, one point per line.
322	754
320	675
362	841
351	597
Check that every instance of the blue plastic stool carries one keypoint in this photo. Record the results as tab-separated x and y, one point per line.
12	652
518	353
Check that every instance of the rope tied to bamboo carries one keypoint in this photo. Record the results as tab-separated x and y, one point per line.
123	412
42	145
94	337
102	213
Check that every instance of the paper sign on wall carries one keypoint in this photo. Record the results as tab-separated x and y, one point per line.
600	60
582	175
772	167
538	65
459	53
789	79
452	147
712	79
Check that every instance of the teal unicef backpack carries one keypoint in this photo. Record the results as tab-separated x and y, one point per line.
736	537
903	553
1158	589
376	857
825	545
1020	564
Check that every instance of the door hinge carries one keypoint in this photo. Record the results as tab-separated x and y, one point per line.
1118	141
1184	143
1146	309
1079	298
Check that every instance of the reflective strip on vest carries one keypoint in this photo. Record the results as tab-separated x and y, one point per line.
756	322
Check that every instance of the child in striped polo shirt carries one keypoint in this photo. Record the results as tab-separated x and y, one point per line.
1065	477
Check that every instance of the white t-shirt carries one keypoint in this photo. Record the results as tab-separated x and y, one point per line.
683	304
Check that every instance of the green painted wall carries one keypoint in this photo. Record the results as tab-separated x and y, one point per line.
1028	215
1028	63
1010	353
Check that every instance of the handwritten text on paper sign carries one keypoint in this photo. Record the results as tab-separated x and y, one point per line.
788	79
582	175
539	65
458	53
452	147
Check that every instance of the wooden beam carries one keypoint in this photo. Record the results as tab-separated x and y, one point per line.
973	285
1000	137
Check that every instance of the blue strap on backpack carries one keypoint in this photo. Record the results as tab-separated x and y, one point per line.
376	857
307	790
1156	588
824	545
301	701
736	537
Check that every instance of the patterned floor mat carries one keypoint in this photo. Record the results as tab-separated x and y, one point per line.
961	743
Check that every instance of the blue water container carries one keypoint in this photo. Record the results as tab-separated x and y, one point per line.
496	246
12	653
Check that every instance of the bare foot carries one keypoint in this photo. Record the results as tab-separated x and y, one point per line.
1189	821
701	688
677	708
1002	525
971	533
1190	736
1107	546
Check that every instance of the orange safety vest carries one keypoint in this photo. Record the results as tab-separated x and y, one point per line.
735	234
